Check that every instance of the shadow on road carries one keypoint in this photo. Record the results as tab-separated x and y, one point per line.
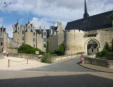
85	80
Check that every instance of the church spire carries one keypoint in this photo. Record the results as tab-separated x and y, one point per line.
85	10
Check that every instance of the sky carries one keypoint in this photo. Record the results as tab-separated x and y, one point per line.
47	12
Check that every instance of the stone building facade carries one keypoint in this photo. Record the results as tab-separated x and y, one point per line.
4	39
29	35
89	34
6	44
38	38
56	37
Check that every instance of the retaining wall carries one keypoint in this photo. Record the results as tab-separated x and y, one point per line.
99	62
27	56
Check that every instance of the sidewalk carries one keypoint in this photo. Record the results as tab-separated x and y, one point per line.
15	63
98	68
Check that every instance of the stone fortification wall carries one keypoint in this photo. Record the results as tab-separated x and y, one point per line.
76	41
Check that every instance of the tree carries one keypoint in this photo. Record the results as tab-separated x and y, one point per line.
26	49
47	47
107	47
112	46
61	49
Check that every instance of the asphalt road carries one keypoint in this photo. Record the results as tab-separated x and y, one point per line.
76	80
84	80
69	66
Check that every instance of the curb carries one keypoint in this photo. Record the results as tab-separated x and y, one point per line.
89	66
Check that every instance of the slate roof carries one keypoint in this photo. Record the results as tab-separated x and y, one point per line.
41	32
98	21
54	28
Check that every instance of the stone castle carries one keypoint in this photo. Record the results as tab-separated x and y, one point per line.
87	35
27	34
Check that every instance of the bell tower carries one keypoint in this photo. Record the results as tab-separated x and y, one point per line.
85	10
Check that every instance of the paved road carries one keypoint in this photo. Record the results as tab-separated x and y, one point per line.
69	66
84	80
72	80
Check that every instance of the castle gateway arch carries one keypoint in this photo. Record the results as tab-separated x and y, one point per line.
92	47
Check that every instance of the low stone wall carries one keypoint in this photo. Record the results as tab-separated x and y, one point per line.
99	62
63	58
27	56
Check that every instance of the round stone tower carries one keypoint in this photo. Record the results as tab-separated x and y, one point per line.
29	34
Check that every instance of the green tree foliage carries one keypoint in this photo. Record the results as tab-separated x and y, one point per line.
47	47
46	58
103	53
107	47
112	46
60	51
106	51
40	51
28	49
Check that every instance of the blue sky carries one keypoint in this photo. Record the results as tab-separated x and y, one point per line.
47	12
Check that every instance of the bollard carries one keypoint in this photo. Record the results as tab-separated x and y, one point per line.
8	63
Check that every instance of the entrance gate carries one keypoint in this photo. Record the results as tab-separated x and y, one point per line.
92	47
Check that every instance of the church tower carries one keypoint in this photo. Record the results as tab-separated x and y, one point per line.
85	10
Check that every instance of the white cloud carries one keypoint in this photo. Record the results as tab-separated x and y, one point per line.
59	9
40	22
56	10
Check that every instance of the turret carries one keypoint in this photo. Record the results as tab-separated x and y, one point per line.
29	34
59	27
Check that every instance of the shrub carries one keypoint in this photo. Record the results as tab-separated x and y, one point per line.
46	58
29	49
61	49
107	47
26	49
102	53
105	52
112	46
40	52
